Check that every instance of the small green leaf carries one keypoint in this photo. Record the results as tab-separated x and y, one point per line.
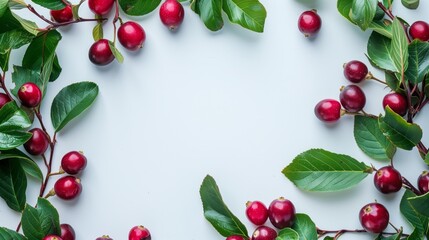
378	49
17	4
13	184
418	60
210	12
383	27
116	52
305	227
29	26
288	234
138	7
420	204
401	133
399	47
419	222
27	164
345	8
51	4
371	139
363	12
320	170
13	122
427	159
388	3
71	101
411	4
23	75
40	221
392	81
216	211
250	14
7	234
97	32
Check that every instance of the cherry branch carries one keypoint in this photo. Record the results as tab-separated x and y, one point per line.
3	85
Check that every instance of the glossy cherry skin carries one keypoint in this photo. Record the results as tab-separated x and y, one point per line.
256	212
73	162
63	15
52	237
100	53
419	30
67	232
388	180
4	99
68	187
38	143
423	182
171	14
355	71
30	95
131	35
264	233
309	23
100	7
139	233
397	102
235	237
374	217
328	110
104	237
352	98
281	213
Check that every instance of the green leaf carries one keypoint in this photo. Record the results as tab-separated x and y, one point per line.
27	164
138	7
13	122
401	133
40	221
4	60
420	204
383	27
288	234
345	8
3	7
116	52
97	32
210	12
7	234
388	3
51	4
320	170
305	227
396	236
392	81
29	26
23	75
419	222
363	12
427	159
71	101
411	4
378	49
13	184
216	211
249	14
399	47
371	139
56	69
14	39
418	60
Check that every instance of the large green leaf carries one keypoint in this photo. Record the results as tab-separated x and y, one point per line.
216	211
287	234
399	47
40	221
14	39
344	8
29	26
13	122
378	49
320	170
383	27
3	6
23	75
371	139
138	7
7	234
419	222
71	101
4	60
401	133
305	227
418	61
13	184
249	14
210	12
420	204
51	4
363	12
27	164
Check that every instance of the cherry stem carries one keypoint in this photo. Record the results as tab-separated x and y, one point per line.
406	184
3	85
115	19
340	232
371	77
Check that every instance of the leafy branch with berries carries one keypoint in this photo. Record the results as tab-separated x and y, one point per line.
401	52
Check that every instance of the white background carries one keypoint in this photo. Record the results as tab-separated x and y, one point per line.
233	104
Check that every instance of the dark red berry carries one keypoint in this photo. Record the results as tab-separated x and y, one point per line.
131	35
423	182
104	237
30	95
100	53
352	98
100	7
420	30
67	232
328	110
52	237
281	213
388	180
235	237
397	102
73	162
171	14
374	217
63	15
68	187
309	23
264	233
4	99
38	143
139	233
256	212
355	71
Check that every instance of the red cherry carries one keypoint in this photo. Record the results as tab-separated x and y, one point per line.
396	102
355	71
30	95
67	232
264	233
309	23
131	35
256	212
4	99
100	7
73	162
52	237
68	187
100	53
171	14
281	213
423	182
352	98
38	143
63	15
328	110
235	237
374	217
388	180
419	30
139	233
